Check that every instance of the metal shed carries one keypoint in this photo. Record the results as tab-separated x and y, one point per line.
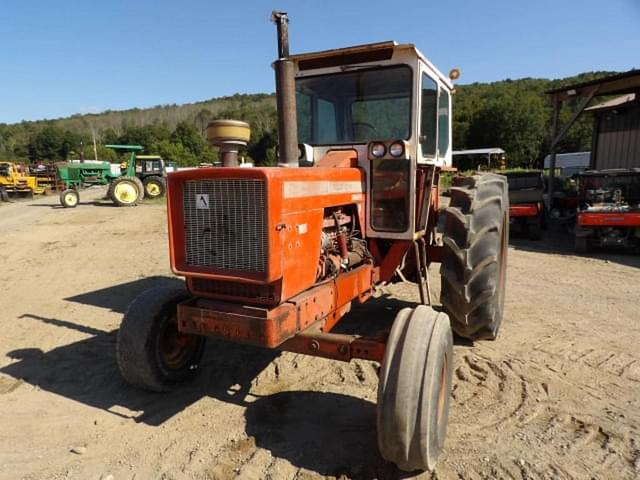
615	139
475	158
616	133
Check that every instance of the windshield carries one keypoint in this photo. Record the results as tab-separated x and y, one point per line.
354	107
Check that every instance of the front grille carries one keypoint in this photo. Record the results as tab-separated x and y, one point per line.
225	224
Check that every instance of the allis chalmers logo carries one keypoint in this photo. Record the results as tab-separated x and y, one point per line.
202	201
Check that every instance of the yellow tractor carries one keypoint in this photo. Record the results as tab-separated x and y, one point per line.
16	181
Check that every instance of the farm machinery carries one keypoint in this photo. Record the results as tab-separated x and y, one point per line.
526	202
276	257
72	176
608	209
16	181
139	176
148	172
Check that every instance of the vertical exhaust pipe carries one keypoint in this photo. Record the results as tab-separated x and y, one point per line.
285	95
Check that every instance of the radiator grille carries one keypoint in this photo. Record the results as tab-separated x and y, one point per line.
225	224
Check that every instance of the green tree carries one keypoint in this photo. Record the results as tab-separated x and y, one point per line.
48	144
189	137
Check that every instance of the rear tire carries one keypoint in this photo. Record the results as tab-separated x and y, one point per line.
534	228
154	186
474	259
126	191
4	196
415	389
152	353
69	198
581	245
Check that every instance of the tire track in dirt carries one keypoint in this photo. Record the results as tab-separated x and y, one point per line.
620	364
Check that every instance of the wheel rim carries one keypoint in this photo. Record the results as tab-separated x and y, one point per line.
153	189
70	199
126	192
176	349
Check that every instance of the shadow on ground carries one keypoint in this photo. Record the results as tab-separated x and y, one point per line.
86	371
117	297
328	433
558	241
95	203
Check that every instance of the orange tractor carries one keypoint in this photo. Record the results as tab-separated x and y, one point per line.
276	257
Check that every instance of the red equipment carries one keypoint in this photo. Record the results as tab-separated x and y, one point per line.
609	209
526	210
275	257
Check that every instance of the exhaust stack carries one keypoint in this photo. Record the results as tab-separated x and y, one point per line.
286	95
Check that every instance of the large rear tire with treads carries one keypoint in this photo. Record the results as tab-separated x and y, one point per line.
474	260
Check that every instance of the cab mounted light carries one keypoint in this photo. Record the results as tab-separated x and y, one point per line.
378	150
396	149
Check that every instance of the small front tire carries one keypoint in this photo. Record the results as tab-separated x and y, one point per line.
69	198
415	389
152	353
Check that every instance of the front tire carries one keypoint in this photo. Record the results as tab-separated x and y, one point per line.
415	389
154	186
152	353
69	198
474	260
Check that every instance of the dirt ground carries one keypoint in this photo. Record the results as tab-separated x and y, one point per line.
556	396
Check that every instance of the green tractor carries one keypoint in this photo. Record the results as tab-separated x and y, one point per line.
147	172
71	176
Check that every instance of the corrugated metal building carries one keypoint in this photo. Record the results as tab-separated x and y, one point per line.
616	134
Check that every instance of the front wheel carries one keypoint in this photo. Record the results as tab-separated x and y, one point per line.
415	389
152	353
69	198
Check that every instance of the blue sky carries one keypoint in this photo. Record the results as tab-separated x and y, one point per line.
60	57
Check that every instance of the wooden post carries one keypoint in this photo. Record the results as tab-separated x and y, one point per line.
557	136
557	105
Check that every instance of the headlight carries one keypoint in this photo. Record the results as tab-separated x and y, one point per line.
378	150
396	149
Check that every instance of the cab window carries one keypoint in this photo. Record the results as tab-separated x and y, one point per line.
429	116
443	123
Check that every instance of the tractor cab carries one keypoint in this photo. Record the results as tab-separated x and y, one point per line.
374	95
391	107
150	165
149	170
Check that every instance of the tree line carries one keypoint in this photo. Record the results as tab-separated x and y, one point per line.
512	114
